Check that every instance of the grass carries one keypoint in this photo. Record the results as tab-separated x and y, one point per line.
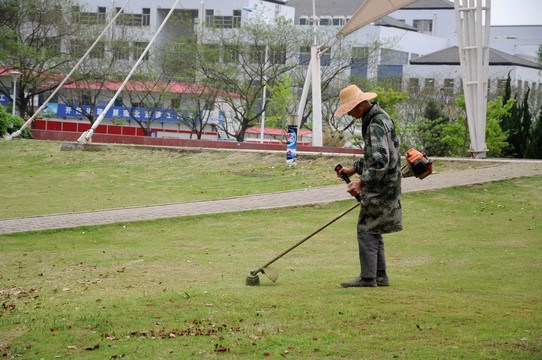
466	280
40	179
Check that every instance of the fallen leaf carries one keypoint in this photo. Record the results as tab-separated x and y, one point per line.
95	347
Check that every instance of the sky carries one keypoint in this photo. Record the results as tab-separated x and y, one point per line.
516	12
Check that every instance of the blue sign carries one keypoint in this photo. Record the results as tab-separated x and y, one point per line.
4	100
122	113
291	145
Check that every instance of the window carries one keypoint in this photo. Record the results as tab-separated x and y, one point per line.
98	52
501	85
277	55
138	49
223	22
448	89
257	54
360	60
338	21
429	84
120	50
212	53
325	21
303	21
413	85
101	14
209	14
88	18
236	18
231	54
325	59
305	55
78	47
134	19
393	57
146	17
423	26
52	44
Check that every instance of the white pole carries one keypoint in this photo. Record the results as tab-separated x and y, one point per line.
87	135
304	96
316	86
25	125
15	75
262	127
316	98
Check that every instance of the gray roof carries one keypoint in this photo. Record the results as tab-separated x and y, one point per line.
450	56
349	7
344	8
430	5
393	22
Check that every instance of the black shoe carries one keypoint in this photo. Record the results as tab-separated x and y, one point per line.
359	282
383	281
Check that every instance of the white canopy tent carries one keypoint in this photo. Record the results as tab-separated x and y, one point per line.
473	38
369	11
473	27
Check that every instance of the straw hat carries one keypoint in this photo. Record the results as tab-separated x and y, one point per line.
351	96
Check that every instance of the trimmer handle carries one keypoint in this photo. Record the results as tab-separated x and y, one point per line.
338	167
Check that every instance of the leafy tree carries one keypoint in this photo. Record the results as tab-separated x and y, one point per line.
517	124
32	33
281	99
534	146
433	129
496	137
387	100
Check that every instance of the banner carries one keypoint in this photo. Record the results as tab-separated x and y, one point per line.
122	113
291	145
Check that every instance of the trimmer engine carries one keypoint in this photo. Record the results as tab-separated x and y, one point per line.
417	164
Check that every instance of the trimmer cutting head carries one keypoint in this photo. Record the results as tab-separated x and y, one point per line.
252	279
271	272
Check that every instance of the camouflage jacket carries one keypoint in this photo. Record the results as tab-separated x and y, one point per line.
380	173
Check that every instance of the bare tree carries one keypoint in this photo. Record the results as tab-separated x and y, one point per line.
100	74
240	63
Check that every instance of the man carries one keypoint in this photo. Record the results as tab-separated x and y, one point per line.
379	185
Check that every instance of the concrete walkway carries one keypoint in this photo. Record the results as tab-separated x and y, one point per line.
493	171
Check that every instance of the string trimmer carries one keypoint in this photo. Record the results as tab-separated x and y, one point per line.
272	272
417	164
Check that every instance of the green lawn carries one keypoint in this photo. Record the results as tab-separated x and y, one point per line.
38	178
466	276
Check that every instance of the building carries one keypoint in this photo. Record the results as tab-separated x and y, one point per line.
418	40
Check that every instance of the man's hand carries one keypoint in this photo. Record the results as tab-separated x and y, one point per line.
354	188
346	171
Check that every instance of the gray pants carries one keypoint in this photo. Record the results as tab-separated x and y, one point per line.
371	254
